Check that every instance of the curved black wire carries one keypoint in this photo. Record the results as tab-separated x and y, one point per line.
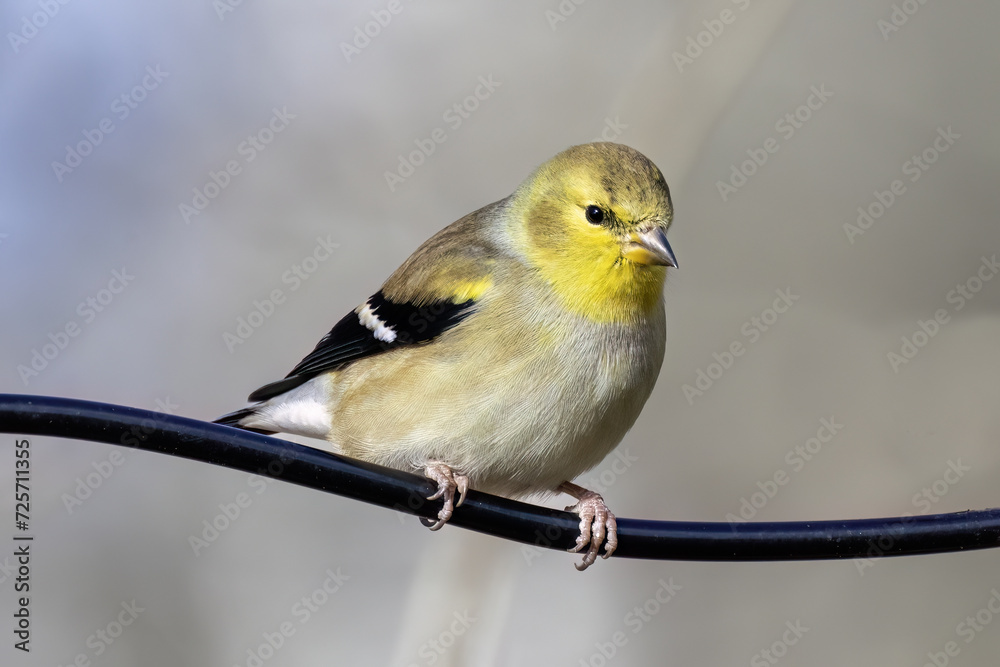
386	487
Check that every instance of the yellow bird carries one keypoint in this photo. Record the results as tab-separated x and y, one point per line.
511	352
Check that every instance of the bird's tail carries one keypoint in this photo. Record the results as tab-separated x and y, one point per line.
235	419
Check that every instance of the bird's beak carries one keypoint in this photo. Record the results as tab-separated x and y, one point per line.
650	247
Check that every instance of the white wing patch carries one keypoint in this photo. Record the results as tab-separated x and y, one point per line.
374	323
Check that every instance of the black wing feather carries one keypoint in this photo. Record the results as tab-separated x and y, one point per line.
349	340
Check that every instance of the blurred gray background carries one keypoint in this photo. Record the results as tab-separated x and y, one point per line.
773	123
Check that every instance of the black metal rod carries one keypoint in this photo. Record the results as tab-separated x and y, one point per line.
530	524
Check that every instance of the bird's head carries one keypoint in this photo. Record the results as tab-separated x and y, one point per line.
593	221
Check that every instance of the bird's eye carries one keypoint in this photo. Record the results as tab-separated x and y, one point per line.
595	215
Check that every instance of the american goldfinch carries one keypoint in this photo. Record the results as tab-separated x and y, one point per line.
511	352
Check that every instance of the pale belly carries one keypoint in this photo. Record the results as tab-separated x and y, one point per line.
515	422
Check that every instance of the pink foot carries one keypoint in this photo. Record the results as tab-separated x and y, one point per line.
597	523
448	482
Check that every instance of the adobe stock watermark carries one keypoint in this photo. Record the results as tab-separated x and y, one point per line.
794	631
104	637
620	463
543	543
223	7
751	330
9	572
363	35
87	484
635	620
121	108
914	168
146	427
301	613
562	12
248	149
787	125
700	42
31	24
967	630
923	501
433	649
230	512
898	17
796	458
87	311
957	297
612	130
294	277
8	569
454	116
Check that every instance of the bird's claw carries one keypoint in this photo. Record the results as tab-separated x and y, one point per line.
449	484
597	526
